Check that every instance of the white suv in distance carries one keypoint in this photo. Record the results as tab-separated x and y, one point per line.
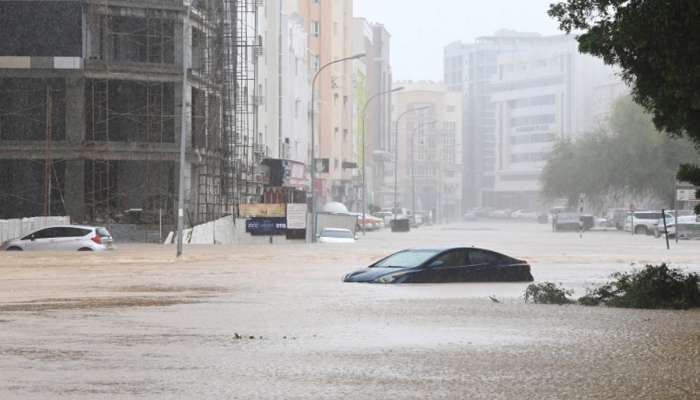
64	237
644	222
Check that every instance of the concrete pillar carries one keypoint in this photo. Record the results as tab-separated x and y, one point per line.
74	190
75	110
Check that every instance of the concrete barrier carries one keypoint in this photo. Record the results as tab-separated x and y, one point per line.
16	228
223	231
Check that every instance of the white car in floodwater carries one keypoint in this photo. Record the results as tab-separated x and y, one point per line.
62	238
336	235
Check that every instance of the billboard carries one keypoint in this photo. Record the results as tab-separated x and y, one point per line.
296	216
262	210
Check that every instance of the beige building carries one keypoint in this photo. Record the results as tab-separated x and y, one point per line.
429	149
329	25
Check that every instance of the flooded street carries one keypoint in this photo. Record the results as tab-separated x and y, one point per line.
276	322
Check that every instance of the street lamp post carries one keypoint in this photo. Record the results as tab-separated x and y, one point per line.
364	152
421	132
313	139
183	137
396	154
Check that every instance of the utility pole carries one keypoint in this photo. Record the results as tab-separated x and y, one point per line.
48	162
183	135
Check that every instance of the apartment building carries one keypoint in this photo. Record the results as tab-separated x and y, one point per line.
429	147
543	91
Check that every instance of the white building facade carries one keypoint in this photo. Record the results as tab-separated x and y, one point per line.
543	91
429	149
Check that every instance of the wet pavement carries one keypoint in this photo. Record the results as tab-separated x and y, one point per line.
276	322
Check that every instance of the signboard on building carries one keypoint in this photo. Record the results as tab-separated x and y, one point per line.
296	216
295	175
686	195
262	210
266	226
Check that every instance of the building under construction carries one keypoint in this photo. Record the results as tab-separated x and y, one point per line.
91	108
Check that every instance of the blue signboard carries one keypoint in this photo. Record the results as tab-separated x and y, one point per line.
266	226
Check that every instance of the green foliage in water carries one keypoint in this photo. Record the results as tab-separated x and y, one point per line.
654	287
548	293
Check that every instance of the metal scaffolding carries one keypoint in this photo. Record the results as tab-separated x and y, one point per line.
128	100
241	49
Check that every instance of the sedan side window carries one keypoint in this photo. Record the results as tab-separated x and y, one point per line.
454	258
483	257
42	234
52	233
75	232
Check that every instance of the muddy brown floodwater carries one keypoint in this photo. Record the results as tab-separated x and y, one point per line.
276	322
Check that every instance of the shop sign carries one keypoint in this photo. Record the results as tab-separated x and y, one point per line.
266	226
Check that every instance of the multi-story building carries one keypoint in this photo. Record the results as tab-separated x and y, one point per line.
372	78
284	100
454	65
91	115
269	93
482	72
329	24
429	146
543	91
470	68
295	92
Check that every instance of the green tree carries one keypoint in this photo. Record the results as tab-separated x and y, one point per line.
630	159
657	45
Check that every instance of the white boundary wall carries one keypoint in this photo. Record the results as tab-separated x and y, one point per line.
222	231
15	228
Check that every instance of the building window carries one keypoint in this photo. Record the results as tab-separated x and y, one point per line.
316	28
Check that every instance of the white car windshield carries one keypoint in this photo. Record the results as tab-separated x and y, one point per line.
406	259
337	233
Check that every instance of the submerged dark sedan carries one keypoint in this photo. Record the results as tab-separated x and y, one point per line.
439	265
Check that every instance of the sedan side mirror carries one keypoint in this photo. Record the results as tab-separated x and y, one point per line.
437	264
32	238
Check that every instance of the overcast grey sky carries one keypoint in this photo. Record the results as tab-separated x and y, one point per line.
420	29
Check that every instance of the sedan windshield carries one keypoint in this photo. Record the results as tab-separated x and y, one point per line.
337	233
406	259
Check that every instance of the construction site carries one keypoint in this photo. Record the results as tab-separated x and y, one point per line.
96	95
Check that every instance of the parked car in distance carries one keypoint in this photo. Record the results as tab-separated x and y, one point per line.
470	215
566	221
336	235
62	238
370	223
442	265
688	227
386	216
616	218
504	213
524	214
644	222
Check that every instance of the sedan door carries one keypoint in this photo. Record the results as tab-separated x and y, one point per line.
483	266
446	267
43	239
71	239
